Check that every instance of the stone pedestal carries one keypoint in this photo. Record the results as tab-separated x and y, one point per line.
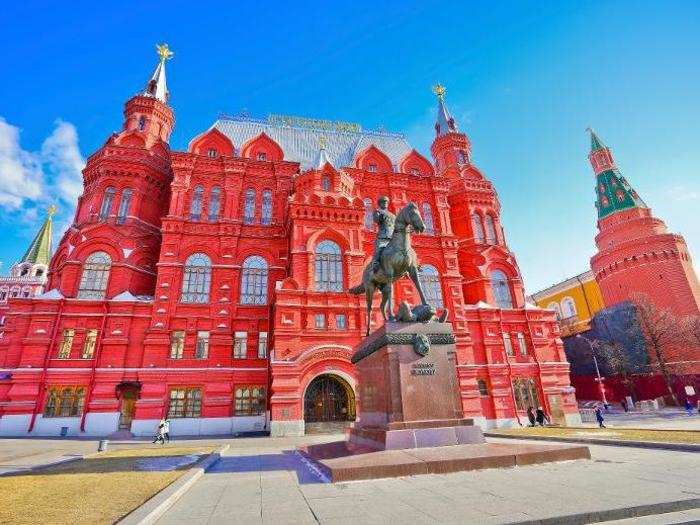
407	383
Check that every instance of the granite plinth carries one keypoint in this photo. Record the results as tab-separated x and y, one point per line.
343	461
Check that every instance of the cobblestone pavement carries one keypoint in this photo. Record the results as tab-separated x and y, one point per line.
261	481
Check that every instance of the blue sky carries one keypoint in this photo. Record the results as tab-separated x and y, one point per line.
524	80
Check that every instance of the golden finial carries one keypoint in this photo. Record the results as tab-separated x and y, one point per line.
439	90
51	210
164	52
322	142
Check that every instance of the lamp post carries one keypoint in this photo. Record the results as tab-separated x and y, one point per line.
597	370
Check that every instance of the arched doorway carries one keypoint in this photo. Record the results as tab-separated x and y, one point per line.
329	404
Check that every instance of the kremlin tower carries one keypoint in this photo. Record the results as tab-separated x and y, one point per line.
636	253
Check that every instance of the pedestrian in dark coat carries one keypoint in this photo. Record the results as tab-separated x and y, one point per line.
531	416
599	417
541	416
624	404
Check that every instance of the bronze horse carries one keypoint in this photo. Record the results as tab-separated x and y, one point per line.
397	259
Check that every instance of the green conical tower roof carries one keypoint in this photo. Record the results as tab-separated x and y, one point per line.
596	143
39	251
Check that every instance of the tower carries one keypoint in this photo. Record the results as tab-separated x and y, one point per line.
636	253
114	242
450	149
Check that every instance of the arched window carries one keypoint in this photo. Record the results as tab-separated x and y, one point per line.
568	308
430	282
249	207
326	184
329	267
214	203
254	281
501	290
196	204
428	219
369	215
127	193
266	217
478	228
196	279
93	282
555	306
490	230
107	203
142	123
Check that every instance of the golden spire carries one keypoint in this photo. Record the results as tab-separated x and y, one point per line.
439	90
322	142
164	52
51	210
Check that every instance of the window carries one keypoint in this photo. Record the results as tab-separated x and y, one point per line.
240	345
320	320
201	349
196	279
25	293
93	282
196	204
65	401
329	267
568	308
89	345
478	228
266	217
249	207
463	157
369	215
508	345
501	290
250	401
525	391
3	296
124	205
262	345
326	184
211	153
429	279
372	168
214	203
185	402
262	156
428	219
490	230
107	203
522	345
254	281
24	272
39	272
142	123
341	322
177	344
66	344
557	310
483	387
415	172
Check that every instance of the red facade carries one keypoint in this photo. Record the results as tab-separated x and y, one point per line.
218	293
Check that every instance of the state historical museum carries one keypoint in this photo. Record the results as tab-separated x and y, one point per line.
210	285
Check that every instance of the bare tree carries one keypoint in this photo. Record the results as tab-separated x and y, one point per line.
620	362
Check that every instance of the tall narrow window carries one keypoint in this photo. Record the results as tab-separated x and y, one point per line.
142	123
369	215
254	281
429	279
66	344
196	204
266	215
93	282
124	205
341	322
326	184
428	219
568	308
107	200
522	345
329	267
250	401
483	387
196	279
262	345
185	402
557	309
89	345
240	345
490	230
478	228
249	207
211	153
320	320
508	344
201	350
501	290
214	203
177	344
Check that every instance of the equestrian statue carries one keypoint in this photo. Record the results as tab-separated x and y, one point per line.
393	258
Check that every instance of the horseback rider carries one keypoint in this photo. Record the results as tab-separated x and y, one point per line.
385	220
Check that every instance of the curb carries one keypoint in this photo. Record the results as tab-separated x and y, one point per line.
598	516
680	447
60	461
153	509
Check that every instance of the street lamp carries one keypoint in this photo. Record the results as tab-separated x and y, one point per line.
597	370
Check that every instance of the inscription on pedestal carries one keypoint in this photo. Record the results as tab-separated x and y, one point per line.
423	369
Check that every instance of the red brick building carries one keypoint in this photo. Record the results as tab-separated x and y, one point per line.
211	284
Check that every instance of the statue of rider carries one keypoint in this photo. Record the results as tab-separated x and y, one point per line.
385	220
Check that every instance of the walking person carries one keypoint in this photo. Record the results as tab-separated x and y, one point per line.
160	432
599	417
688	407
624	404
531	416
166	429
541	417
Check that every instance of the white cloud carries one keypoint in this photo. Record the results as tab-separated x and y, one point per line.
61	154
21	174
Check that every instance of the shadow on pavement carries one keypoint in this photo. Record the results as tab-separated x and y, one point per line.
287	461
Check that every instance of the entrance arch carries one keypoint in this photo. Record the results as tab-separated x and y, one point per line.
329	399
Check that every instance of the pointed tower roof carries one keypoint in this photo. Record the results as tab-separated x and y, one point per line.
445	123
596	143
39	251
322	157
157	86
